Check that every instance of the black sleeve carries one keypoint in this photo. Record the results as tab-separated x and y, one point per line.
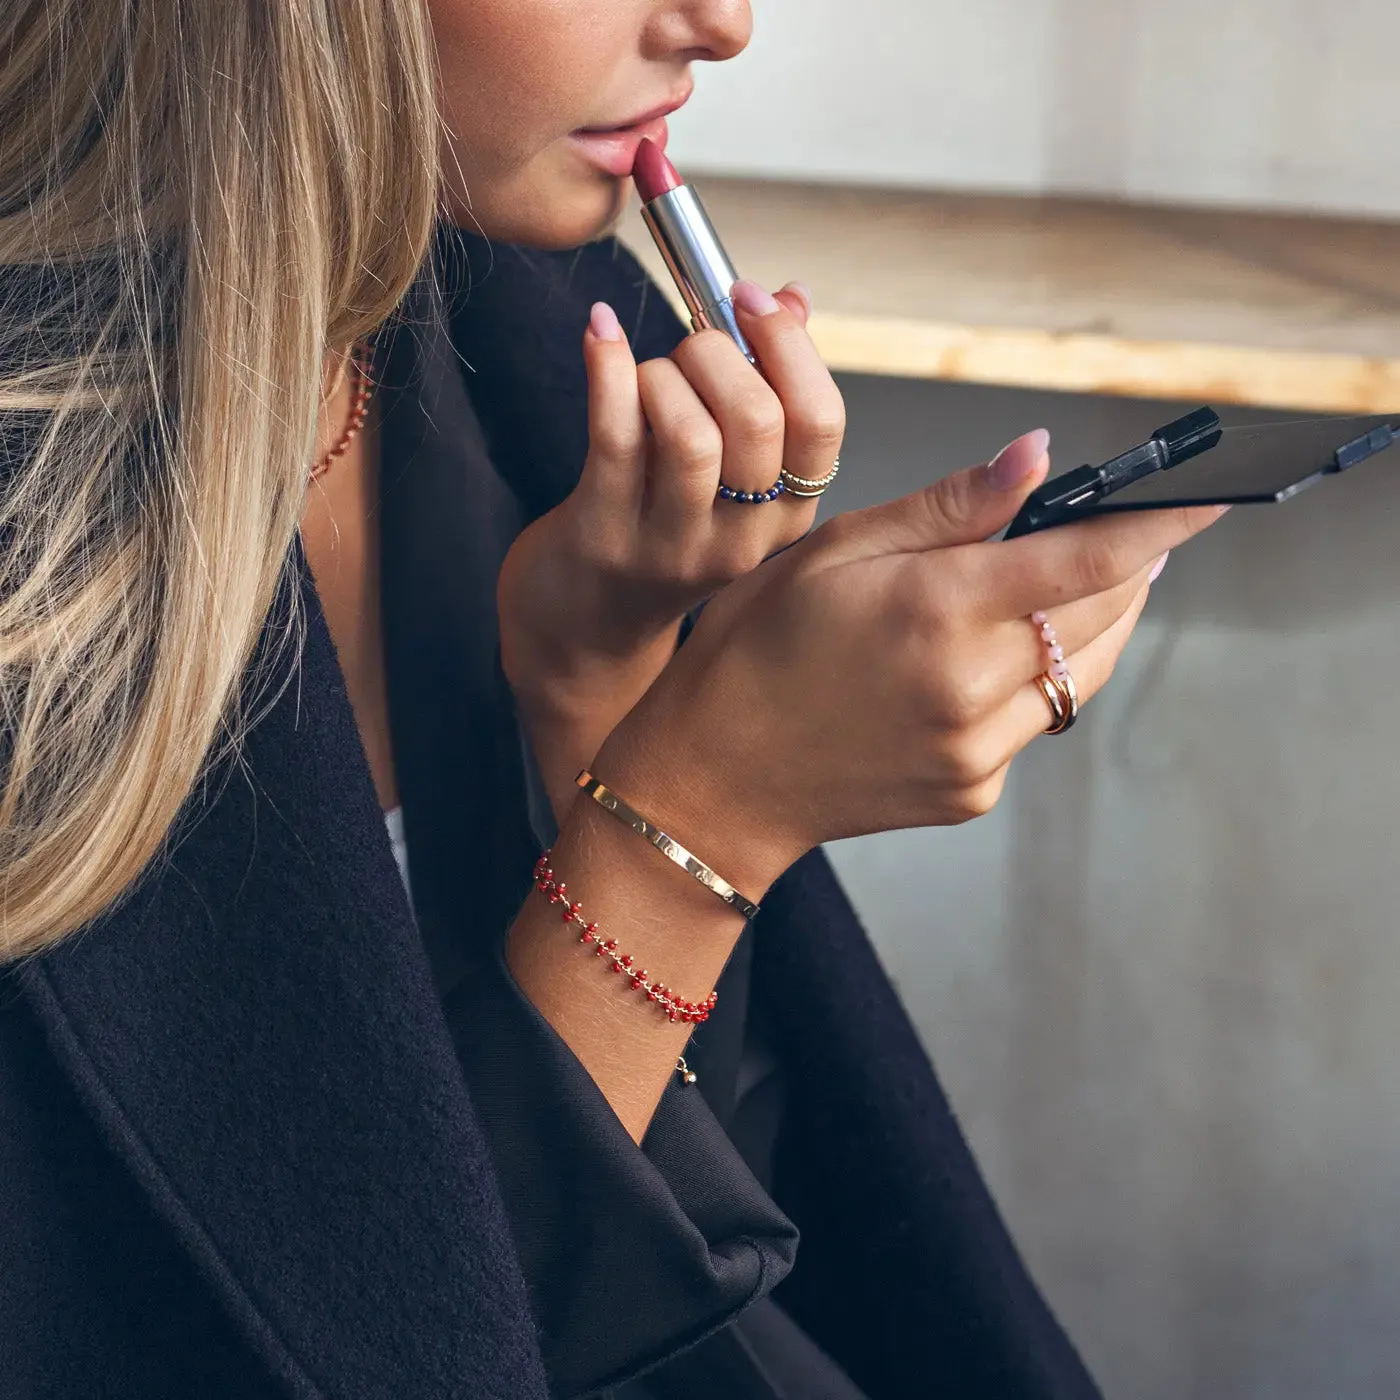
631	1254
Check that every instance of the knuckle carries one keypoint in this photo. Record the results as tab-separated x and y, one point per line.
758	419
684	355
913	610
1191	520
930	611
790	530
702	344
737	559
688	571
655	372
963	701
1100	566
614	440
824	425
787	336
978	800
949	501
606	554
836	533
695	441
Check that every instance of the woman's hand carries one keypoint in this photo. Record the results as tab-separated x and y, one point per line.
876	676
591	595
880	675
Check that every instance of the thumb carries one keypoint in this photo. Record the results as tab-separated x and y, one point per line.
965	508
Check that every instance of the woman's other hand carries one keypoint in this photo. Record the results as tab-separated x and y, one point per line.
881	674
591	596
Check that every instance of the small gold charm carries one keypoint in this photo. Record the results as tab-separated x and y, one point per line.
688	1075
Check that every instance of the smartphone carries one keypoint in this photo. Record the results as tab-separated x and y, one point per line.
1197	460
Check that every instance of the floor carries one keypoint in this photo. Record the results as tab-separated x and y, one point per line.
1162	980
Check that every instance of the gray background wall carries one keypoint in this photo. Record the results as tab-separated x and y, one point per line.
1257	102
1162	980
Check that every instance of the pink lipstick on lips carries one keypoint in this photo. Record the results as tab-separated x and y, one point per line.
687	239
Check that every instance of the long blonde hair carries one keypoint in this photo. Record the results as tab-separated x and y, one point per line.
199	201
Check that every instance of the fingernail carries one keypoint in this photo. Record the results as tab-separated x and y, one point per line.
1017	460
802	290
1158	567
604	322
750	297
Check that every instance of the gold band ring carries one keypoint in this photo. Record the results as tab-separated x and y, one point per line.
1059	706
807	487
1060	684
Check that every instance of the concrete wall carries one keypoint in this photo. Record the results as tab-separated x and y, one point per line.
1269	103
1162	980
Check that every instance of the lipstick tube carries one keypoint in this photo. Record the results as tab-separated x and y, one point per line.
697	261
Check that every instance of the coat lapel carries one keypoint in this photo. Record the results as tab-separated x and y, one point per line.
447	521
257	1033
485	428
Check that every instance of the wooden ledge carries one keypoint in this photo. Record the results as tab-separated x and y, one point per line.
1276	311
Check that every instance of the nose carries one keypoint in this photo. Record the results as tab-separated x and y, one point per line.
702	30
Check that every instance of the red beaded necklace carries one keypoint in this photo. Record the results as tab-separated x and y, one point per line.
361	391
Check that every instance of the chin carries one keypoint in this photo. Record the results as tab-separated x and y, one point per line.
552	215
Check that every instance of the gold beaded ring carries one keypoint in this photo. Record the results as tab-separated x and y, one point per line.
807	488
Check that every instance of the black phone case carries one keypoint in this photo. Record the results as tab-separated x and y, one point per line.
1249	465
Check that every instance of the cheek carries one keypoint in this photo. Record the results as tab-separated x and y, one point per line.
515	77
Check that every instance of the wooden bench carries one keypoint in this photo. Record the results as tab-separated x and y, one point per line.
1278	311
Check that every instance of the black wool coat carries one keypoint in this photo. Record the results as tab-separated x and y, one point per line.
238	1156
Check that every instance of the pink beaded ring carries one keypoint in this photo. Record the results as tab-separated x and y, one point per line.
1056	684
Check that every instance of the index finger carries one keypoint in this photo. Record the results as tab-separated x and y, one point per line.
1070	562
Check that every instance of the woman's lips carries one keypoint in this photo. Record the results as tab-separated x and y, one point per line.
615	152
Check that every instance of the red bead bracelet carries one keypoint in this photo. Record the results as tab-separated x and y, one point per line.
674	1006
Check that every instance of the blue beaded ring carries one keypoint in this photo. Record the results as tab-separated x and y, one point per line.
752	498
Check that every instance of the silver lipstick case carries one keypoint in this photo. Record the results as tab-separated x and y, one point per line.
697	260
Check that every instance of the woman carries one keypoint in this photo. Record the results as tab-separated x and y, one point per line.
280	1118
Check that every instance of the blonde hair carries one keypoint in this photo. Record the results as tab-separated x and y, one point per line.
199	202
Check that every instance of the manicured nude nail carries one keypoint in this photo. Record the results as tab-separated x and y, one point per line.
1158	567
802	290
750	297
1018	460
604	322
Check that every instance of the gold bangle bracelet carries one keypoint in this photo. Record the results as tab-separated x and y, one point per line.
673	851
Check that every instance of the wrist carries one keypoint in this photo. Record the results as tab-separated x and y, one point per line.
568	685
702	801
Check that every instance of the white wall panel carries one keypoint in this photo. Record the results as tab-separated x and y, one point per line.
1263	103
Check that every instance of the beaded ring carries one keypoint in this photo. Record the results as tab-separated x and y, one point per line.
811	487
751	498
1056	683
